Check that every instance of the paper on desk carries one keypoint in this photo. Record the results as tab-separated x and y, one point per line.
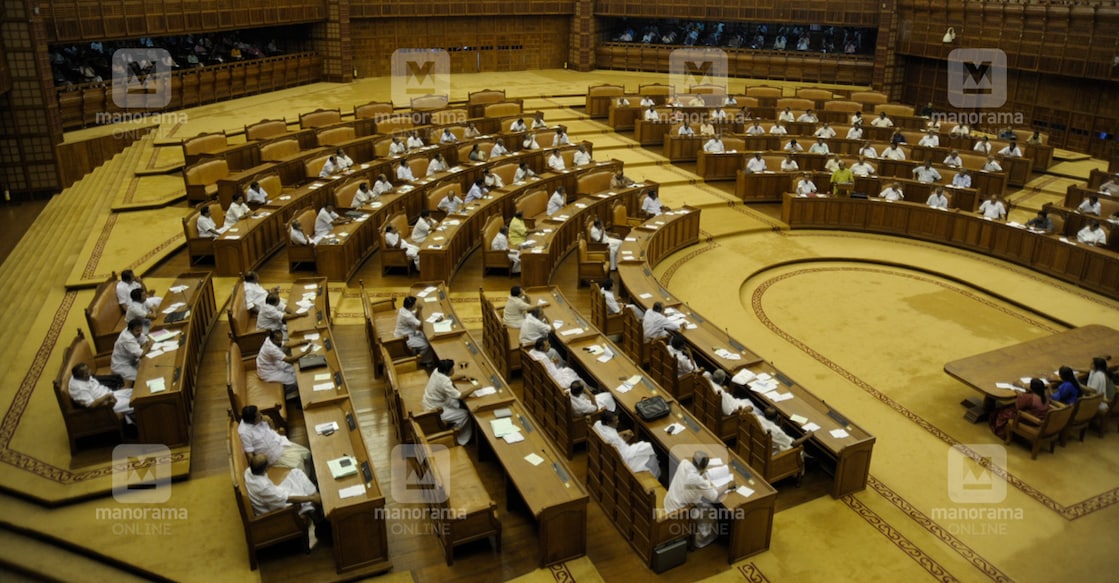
352	491
502	427
778	397
631	239
313	336
443	326
623	388
431	299
173	307
719	475
743	377
322	428
513	437
798	419
434	317
429	289
541	302
810	427
724	353
323	386
645	296
157	385
744	491
571	331
484	392
674	429
839	433
1007	386
303	310
534	459
715	461
153	353
557	324
606	356
178	289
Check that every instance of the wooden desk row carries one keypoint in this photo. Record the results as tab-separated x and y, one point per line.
772	186
164	416
714	348
1090	267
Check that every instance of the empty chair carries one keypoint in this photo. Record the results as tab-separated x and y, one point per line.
1086	409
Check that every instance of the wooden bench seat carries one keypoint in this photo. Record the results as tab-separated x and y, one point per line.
245	388
201	179
104	316
551	406
500	343
82	422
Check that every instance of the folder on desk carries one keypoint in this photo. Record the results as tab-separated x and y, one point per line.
312	361
177	316
342	467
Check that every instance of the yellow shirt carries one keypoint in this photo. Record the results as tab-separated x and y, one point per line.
842	176
517	232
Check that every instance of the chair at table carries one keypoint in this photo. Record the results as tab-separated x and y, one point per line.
1108	417
593	265
633	338
494	259
1040	432
755	443
1086	408
82	422
609	324
395	257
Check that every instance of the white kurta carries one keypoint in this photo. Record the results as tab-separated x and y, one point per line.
561	374
656	325
410	327
84	393
638	456
126	355
440	392
689	487
270	365
266	496
533	329
514	314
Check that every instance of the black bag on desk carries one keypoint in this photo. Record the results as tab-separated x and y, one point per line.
652	408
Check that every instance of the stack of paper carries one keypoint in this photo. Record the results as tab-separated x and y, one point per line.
534	459
571	331
434	317
777	397
484	392
173	307
323	386
810	427
157	385
178	289
719	475
504	426
743	377
324	428
724	353
839	433
443	326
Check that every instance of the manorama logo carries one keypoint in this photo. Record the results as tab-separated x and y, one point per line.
141	78
141	474
419	73
414	473
977	78
971	480
697	66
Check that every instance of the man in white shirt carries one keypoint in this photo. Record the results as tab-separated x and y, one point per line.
937	200
882	121
786	115
778	129
256	194
960	130
560	138
714	145
651	204
622	102
647	101
296	234
128	349
344	162
718	116
651	115
87	392
207	228
868	151
393	240
272	314
612	305
855	133
598	234
808	117
415	141
992	165
820	147
492	180
584	403
1090	206
793	146
556	202
825	131
1092	235
259	437
1011	151
756	165
993	209
274	361
237	210
962	179
862	168
448	137
501	243
555	161
538	122
543	353
805	186
530	142
685	363
983	146
329	168
410	326
833	163
930	140
326	220
894	152
581	157
892	193
639	456
404	171
436	165
441	394
534	326
382	185
518	126
857	119
926	174
364	195
451	203
255	294
656	325
296	488
498	149
789	164
685	130
755	129
477	191
396	147
423	227
516	306
690	487
523	172
953	160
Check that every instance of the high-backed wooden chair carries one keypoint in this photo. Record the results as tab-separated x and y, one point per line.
268	529
755	444
533	205
82	422
245	388
242	325
1038	432
593	265
622	221
1108	417
199	248
395	257
550	404
299	254
664	369
609	324
633	338
707	406
104	316
500	343
380	322
494	259
1086	408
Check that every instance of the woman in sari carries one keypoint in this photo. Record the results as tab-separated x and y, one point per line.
1033	402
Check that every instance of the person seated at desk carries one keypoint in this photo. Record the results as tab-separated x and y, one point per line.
898	138
538	122
256	194
930	140
789	164
344	162
1034	402
534	326
448	137
685	362
471	131
396	147
805	186
656	325
237	210
992	165
756	165
882	121
87	392
842	179
584	402
808	117
651	115
718	115
404	171
436	165
410	326
926	174
1092	235
414	140
862	168
130	346
825	131
1090	206
272	314
492	180
1100	381
685	130
1041	222
962	179
441	394
560	138
953	160
696	101
857	119
993	209
582	157
937	199
329	168
855	133
778	129
786	115
612	305
1011	150
516	306
128	282
755	129
523	172
518	232
623	102
598	234
1035	139
423	227
555	161
894	152
259	437
793	146
651	205
477	191
691	487
714	145
1111	186
476	154
543	353
868	151
207	228
960	131
138	308
620	180
498	149
892	193
364	195
1068	390
451	203
255	294
833	163
393	240
556	202
983	146
326	220
518	126
638	456
296	488
731	405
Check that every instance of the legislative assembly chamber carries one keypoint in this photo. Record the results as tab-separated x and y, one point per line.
559	290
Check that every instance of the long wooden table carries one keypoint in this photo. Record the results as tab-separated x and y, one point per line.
165	416
1039	358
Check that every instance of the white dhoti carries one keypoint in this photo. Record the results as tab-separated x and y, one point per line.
640	457
294	456
298	484
460	420
605	400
